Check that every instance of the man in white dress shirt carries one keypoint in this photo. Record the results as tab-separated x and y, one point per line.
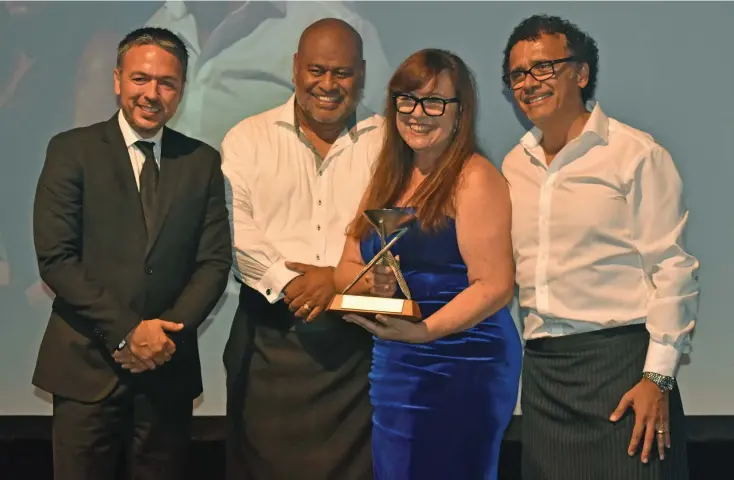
607	292
297	377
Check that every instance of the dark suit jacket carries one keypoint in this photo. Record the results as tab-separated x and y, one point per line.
108	273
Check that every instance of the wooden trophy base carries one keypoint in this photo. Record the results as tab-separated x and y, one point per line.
371	306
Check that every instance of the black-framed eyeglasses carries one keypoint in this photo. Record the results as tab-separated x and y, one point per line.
540	71
432	106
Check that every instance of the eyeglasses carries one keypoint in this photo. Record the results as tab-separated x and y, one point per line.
432	106
540	71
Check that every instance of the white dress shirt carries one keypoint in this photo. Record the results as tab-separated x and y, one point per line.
246	65
285	202
137	157
598	238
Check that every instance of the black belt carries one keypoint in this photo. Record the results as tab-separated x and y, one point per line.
579	340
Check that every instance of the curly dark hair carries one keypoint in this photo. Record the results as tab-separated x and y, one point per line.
579	44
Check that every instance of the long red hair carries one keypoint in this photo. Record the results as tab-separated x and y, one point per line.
434	198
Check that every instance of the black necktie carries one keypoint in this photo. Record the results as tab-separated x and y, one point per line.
148	183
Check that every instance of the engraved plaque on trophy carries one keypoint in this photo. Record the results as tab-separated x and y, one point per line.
387	222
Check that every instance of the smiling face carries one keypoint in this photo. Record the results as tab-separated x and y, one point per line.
149	83
328	71
426	134
560	95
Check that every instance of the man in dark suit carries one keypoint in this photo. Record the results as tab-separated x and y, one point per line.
132	235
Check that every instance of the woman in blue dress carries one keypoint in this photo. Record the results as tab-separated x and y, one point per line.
443	389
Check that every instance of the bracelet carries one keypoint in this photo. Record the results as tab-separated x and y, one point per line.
664	382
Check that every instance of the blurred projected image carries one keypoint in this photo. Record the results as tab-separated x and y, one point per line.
241	58
4	265
44	61
241	64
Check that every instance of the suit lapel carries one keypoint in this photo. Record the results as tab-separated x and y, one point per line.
169	180
123	171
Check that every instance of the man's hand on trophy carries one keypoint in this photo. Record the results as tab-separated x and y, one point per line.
384	283
309	294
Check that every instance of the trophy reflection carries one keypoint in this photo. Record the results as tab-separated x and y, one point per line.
386	221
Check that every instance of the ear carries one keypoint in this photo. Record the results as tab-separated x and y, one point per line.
582	75
116	78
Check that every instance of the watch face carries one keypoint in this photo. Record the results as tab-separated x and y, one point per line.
665	384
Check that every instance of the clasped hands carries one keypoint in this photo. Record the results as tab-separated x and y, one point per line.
309	294
148	346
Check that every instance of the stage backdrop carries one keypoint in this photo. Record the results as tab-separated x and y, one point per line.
665	68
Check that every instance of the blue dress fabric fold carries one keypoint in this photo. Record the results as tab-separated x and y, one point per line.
441	408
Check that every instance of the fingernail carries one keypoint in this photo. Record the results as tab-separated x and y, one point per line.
644	460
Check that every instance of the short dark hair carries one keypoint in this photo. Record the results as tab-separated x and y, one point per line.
161	37
579	44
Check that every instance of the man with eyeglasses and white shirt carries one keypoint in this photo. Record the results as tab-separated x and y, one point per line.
607	292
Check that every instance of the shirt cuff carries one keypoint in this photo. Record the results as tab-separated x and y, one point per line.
662	359
271	285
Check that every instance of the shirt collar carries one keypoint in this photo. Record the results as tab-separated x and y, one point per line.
131	136
597	125
288	118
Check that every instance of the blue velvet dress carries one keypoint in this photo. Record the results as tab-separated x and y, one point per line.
441	409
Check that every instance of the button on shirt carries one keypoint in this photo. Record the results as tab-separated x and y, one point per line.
286	202
598	238
137	157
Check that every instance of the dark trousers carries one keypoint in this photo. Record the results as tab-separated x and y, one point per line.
299	406
152	432
571	385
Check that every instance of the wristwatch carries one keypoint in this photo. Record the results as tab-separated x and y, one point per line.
664	382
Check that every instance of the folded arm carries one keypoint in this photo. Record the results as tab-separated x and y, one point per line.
257	262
